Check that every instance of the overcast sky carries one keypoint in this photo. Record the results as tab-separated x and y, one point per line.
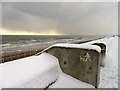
72	18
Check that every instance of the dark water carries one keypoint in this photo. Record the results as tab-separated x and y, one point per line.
38	38
26	39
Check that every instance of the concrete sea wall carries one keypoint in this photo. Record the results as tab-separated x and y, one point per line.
82	64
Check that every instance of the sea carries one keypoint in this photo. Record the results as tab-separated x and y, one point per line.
10	40
6	39
21	43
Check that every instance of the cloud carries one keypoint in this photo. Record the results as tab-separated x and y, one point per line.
72	18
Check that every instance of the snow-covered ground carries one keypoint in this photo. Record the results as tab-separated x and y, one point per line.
31	72
35	72
108	74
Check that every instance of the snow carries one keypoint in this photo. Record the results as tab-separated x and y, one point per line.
107	41
109	74
65	45
35	71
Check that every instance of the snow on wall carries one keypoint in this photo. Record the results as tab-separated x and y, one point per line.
30	72
107	41
82	46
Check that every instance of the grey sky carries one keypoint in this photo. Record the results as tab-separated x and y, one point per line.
74	18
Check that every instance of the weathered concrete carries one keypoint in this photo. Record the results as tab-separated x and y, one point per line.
82	64
103	53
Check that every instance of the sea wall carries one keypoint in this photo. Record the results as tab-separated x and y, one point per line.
82	64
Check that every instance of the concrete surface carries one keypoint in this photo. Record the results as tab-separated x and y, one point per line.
82	64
